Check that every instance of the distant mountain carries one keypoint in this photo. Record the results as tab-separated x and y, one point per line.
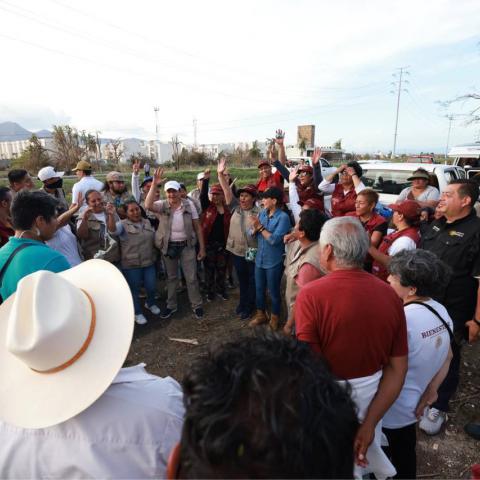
10	131
43	134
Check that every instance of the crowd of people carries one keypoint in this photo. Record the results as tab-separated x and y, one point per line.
379	300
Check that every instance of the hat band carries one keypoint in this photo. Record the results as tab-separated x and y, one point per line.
84	347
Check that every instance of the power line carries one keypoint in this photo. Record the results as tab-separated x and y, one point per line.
123	49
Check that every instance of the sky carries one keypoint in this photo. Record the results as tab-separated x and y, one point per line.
243	69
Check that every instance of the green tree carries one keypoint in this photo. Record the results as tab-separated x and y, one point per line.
338	144
34	157
255	151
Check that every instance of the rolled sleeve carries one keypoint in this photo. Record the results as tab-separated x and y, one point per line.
326	187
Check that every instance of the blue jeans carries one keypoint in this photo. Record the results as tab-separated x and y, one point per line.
269	278
246	280
136	277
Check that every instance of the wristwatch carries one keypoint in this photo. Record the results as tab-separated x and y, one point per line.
476	321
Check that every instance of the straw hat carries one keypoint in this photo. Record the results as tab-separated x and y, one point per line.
63	339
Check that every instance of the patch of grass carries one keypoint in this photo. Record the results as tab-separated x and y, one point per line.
188	177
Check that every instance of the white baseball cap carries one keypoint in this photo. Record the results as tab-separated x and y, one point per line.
201	176
172	184
46	173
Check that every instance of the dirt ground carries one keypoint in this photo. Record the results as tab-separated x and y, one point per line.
447	455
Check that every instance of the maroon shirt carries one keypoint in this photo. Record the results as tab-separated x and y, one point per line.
354	320
343	203
5	233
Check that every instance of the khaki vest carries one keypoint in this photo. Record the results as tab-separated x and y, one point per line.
96	241
115	198
164	230
238	241
59	196
296	257
137	244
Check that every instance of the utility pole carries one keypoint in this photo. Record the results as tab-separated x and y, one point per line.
450	120
402	71
157	137
195	144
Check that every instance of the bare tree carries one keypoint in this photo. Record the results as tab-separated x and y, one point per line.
116	151
68	150
472	117
175	142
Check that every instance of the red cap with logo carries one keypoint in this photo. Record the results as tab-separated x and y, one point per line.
409	209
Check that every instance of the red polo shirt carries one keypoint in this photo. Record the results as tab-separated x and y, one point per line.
274	180
354	320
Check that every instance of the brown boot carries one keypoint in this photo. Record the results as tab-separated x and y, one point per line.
274	322
258	318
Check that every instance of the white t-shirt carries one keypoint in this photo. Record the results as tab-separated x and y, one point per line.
178	233
430	193
402	243
65	242
428	345
84	185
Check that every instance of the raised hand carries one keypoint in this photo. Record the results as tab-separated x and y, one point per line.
279	137
222	166
293	174
206	173
110	209
76	206
317	154
136	167
158	176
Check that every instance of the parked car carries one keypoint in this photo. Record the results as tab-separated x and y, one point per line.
389	179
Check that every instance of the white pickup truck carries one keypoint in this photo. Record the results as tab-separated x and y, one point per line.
468	157
389	179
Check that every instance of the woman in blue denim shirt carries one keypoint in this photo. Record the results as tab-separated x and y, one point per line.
269	227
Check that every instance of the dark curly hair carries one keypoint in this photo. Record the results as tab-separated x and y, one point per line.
266	407
420	269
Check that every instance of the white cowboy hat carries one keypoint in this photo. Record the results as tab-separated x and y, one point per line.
63	339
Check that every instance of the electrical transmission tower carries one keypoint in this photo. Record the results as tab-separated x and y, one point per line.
450	118
399	82
157	137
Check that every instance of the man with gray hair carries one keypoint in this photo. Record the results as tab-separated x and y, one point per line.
357	323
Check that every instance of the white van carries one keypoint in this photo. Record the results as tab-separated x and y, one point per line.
389	179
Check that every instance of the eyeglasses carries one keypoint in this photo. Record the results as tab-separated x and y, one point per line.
344	172
301	174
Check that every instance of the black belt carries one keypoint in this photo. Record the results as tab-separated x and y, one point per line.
178	244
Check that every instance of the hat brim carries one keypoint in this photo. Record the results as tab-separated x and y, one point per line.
243	190
35	400
423	177
261	164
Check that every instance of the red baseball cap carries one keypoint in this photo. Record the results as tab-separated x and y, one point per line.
264	162
409	209
306	168
216	189
250	188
